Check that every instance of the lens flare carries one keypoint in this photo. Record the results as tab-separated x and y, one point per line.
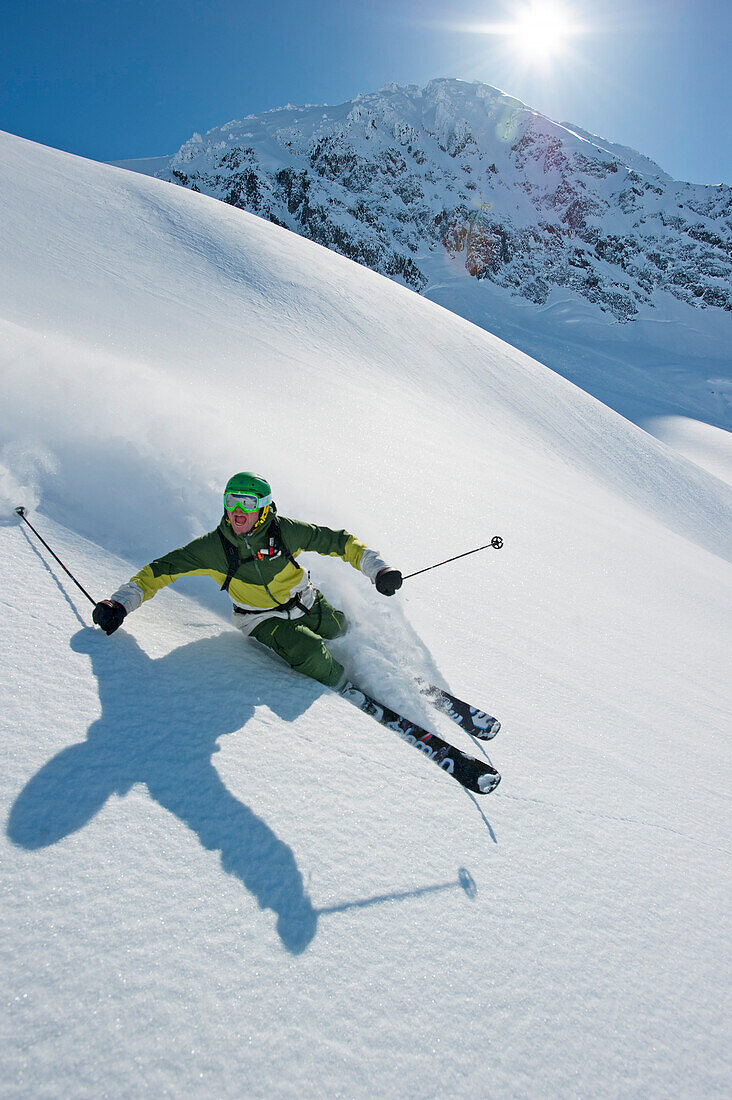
542	30
537	31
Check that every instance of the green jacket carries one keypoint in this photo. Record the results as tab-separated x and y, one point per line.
264	583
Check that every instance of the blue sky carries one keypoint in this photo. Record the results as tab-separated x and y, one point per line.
114	79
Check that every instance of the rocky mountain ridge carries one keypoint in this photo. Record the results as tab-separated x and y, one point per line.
459	181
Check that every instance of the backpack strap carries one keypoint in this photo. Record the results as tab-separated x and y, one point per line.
232	560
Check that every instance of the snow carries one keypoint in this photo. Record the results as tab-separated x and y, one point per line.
704	444
220	879
669	375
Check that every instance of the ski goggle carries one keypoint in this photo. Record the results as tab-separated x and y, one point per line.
248	502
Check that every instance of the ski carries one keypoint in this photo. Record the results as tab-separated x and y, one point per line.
475	722
474	775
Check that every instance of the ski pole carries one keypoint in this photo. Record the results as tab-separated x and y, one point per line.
496	543
21	512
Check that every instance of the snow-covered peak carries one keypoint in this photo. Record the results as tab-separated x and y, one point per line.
460	182
491	114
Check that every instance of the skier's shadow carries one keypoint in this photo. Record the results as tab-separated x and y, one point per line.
160	723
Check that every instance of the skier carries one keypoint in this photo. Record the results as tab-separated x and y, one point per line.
252	555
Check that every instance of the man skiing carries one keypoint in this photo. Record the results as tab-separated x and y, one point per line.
252	555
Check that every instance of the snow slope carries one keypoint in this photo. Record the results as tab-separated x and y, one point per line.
220	879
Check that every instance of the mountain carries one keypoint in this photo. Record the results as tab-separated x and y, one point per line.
220	880
412	181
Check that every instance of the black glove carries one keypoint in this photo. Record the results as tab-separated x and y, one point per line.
388	581
109	615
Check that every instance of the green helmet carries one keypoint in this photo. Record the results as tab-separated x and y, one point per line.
248	492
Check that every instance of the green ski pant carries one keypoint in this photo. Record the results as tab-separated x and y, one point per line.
299	642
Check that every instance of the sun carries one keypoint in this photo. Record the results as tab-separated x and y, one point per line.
541	30
540	34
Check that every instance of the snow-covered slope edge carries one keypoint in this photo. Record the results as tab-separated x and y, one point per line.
152	341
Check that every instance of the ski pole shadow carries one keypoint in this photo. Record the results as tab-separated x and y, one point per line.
60	587
161	719
464	882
